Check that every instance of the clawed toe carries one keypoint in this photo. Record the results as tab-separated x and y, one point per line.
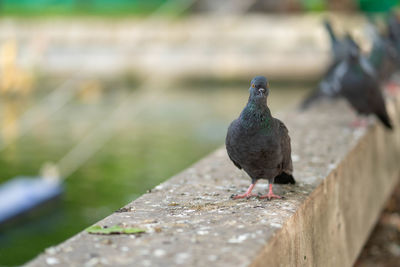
247	196
270	196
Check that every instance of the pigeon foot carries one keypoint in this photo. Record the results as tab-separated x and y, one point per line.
359	123
392	88
270	194
243	196
248	193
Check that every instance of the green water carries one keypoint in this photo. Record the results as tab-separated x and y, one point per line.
175	130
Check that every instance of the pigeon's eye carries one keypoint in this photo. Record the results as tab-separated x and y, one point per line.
253	85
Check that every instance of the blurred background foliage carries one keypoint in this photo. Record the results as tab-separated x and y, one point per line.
143	7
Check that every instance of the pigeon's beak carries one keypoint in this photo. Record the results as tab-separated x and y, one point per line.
261	90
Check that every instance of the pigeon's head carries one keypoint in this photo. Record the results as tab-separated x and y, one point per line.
259	87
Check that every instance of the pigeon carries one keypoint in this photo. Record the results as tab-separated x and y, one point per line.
259	143
383	56
325	88
360	86
330	86
393	25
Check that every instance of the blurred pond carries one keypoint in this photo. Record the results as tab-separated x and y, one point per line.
178	126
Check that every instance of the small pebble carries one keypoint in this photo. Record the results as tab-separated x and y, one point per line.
295	158
239	239
159	253
277	225
202	232
52	261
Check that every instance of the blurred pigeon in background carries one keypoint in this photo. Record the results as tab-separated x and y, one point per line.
383	56
360	86
382	62
393	24
327	87
260	144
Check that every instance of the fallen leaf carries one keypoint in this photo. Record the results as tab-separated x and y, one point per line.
113	230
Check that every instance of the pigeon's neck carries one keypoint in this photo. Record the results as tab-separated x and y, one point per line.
358	68
376	56
256	114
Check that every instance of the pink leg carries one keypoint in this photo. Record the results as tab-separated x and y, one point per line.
270	193
359	123
392	88
247	194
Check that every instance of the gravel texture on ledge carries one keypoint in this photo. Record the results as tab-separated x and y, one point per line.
190	219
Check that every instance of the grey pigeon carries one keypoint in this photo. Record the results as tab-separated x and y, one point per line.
360	86
332	83
393	24
326	87
258	143
383	56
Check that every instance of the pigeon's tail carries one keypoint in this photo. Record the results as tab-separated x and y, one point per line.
384	118
284	178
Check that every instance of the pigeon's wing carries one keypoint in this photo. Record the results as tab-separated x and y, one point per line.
286	149
234	162
325	88
285	177
377	103
228	144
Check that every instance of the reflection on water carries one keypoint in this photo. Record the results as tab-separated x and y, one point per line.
173	130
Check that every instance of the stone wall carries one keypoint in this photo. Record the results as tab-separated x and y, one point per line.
344	176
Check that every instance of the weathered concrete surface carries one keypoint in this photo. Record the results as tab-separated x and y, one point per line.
344	177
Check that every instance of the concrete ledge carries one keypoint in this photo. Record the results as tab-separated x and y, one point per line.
344	177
